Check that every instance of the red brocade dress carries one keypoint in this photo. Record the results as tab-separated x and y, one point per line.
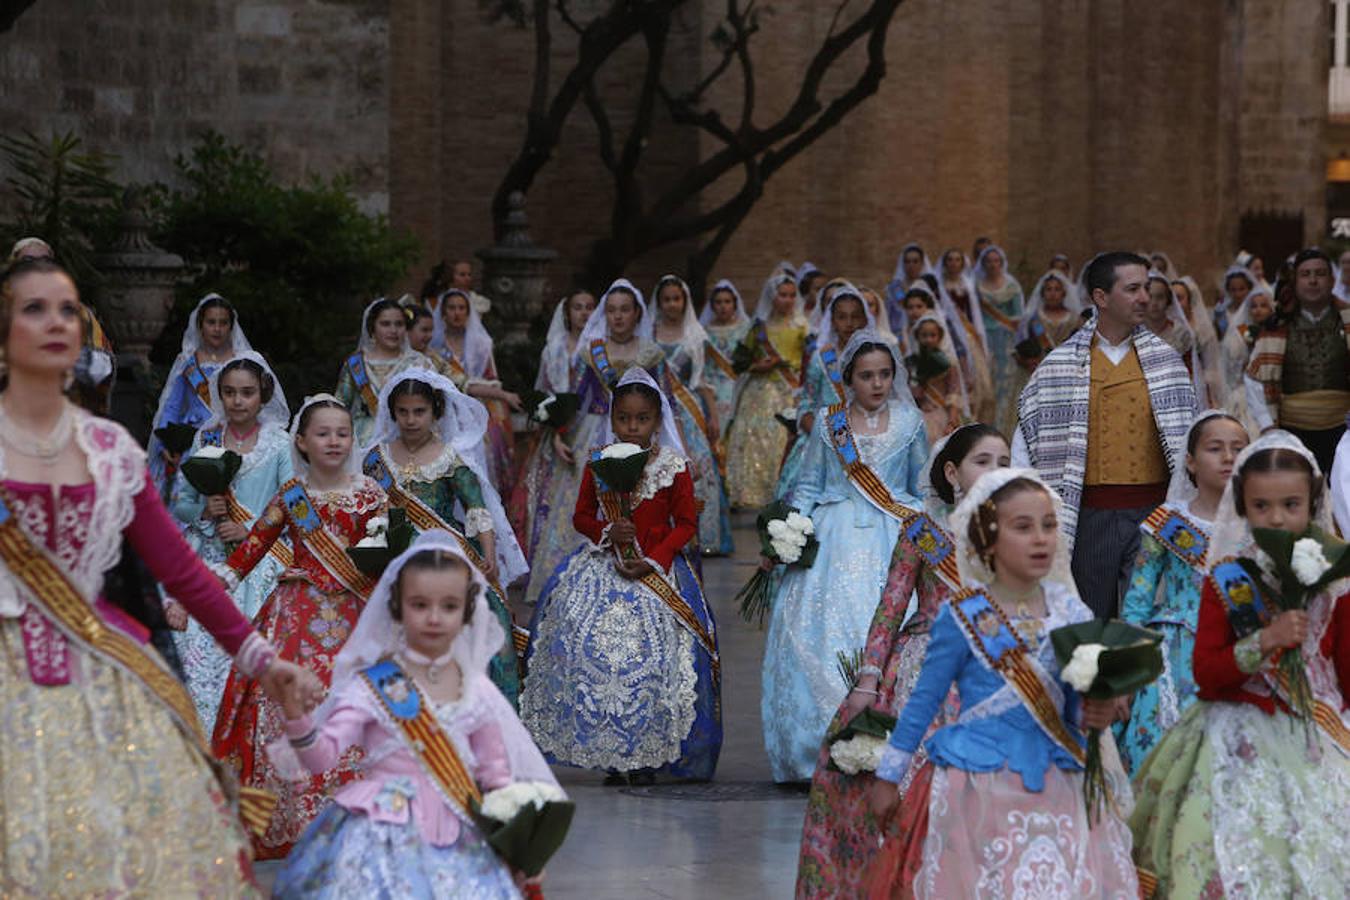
308	618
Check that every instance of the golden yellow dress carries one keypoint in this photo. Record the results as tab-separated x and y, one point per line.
756	441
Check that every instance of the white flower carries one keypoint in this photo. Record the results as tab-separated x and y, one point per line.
377	525
786	553
801	523
620	450
373	540
860	753
1265	564
1082	668
789	413
1308	561
778	529
504	803
209	452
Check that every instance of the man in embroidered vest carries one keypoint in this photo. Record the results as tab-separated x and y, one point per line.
1103	419
1299	373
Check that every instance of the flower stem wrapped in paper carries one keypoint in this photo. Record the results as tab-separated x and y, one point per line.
1103	659
619	468
384	540
211	470
526	822
786	537
1302	566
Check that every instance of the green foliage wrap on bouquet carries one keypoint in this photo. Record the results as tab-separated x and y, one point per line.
177	439
1103	659
553	410
619	468
1303	564
743	356
211	470
384	540
534	829
787	538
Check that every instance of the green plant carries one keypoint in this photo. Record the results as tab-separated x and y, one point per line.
296	261
64	195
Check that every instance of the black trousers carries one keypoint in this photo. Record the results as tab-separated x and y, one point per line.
1104	551
1321	443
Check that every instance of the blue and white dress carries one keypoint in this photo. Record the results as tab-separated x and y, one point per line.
264	470
182	404
827	609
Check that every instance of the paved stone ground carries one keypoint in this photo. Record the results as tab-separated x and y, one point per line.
647	843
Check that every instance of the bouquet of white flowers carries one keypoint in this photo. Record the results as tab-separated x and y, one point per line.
786	537
386	537
554	410
857	747
526	822
619	468
211	470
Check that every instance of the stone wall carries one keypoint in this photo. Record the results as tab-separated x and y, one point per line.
1062	125
305	81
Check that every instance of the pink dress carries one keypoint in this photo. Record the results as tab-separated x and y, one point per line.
101	791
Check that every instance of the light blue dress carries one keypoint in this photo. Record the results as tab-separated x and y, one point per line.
1164	595
723	339
714	520
265	468
828	608
182	406
818	389
1008	377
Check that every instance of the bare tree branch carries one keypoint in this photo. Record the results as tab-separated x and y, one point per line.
602	125
566	16
10	10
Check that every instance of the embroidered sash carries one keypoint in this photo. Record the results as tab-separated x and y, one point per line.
423	517
1241	595
993	639
829	361
319	542
685	615
685	398
1324	715
238	512
62	602
197	380
1178	534
453	362
766	347
600	361
422	734
720	360
993	312
867	481
934	546
356	367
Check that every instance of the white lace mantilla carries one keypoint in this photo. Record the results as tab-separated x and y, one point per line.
117	464
445	462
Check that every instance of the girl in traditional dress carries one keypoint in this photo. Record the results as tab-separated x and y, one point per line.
682	339
839	838
999	802
934	378
1165	317
1244	797
541	458
958	291
625	613
383	352
876	308
407	828
1209	350
326	508
1238	282
1000	298
911	265
845	314
726	324
421	332
107	786
428	457
757	441
859	478
1164	592
468	348
212	338
1245	323
1053	313
617	337
249	417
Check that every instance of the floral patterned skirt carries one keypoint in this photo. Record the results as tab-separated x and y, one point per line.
988	836
308	627
1235	803
344	854
102	795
